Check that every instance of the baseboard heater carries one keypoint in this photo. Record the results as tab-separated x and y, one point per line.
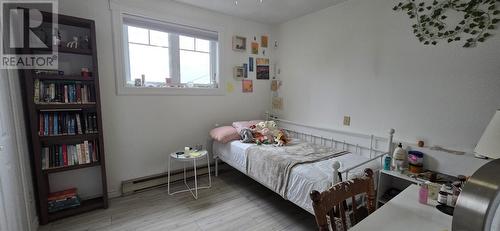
159	180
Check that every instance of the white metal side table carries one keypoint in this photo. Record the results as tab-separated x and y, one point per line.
186	157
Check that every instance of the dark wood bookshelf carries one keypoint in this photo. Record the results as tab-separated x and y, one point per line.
41	176
68	168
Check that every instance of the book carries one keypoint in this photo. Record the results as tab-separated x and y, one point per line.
46	125
36	94
61	160
94	118
51	124
40	124
66	99
56	127
78	93
62	194
94	154
84	94
52	90
86	149
79	154
78	124
65	154
71	202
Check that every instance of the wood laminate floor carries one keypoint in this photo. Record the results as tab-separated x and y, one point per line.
235	202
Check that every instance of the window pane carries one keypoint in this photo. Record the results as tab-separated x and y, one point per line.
138	35
195	67
202	45
186	43
150	61
158	38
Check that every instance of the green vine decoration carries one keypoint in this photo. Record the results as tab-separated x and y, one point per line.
476	20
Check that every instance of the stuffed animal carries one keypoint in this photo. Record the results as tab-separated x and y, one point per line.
268	133
281	138
246	135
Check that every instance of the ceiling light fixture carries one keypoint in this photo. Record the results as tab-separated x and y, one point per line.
236	3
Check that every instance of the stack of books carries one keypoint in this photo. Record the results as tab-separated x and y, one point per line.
63	200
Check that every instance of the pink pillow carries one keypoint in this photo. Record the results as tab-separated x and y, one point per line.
239	125
224	134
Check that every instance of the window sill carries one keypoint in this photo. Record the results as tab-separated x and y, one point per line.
170	91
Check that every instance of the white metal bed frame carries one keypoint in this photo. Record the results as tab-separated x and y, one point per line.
375	154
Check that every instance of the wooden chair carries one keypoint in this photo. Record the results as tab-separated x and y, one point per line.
331	202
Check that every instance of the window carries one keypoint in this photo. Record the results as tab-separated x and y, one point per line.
164	55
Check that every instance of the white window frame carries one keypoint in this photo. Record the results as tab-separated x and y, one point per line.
121	55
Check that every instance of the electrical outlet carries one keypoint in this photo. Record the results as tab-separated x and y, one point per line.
347	121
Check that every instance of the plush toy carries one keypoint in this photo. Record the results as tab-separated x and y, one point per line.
259	138
281	138
246	135
268	133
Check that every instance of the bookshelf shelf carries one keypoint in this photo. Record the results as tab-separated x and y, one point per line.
68	50
64	77
85	206
62	106
65	138
45	148
72	167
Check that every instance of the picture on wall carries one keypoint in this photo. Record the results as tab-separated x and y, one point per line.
247	85
262	72
245	70
275	85
264	40
239	43
229	87
238	72
255	48
277	103
262	61
250	64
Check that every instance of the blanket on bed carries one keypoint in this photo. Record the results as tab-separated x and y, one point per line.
271	165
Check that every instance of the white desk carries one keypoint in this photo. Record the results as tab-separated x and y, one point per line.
404	212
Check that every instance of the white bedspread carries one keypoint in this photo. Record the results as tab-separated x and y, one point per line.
304	177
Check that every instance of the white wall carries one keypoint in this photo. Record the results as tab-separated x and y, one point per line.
139	131
360	58
16	152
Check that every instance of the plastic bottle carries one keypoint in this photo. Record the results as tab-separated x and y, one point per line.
387	163
423	194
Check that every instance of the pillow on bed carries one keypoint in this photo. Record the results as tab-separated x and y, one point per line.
224	134
239	125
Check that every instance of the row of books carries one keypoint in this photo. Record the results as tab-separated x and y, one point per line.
67	123
63	200
63	92
63	155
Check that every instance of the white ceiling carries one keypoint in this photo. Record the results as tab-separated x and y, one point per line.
269	11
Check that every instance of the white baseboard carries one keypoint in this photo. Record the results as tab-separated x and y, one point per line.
114	194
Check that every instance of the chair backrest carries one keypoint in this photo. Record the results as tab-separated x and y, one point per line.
332	201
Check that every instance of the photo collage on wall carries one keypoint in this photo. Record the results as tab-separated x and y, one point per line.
258	63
